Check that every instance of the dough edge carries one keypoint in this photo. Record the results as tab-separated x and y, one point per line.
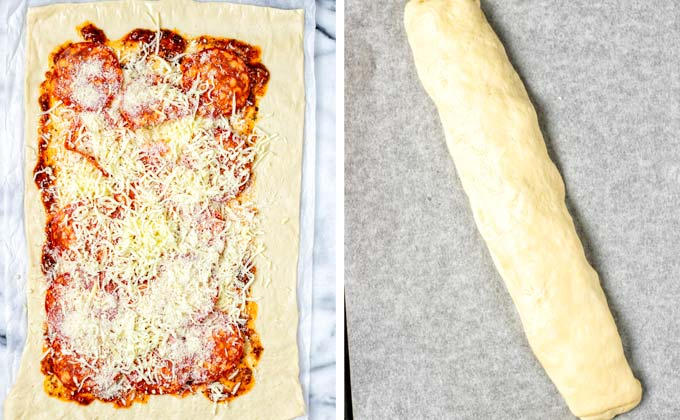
613	412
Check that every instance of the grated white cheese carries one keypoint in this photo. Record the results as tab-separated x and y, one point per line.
84	92
161	238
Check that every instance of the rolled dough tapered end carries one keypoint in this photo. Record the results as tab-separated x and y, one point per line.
615	411
517	199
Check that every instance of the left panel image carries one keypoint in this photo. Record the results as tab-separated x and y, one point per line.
160	204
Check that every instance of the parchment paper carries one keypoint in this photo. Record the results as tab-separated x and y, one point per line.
13	257
432	331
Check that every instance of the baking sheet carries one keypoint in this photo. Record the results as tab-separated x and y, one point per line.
432	330
13	257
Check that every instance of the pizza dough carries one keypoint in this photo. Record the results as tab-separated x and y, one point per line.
277	393
517	198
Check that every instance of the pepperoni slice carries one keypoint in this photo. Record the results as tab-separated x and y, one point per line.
80	145
226	354
142	110
229	140
60	234
210	226
67	366
226	76
141	113
233	145
87	76
74	375
152	155
169	376
53	307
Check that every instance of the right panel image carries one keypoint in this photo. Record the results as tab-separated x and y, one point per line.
512	175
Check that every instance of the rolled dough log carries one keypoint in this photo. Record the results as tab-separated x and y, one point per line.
517	198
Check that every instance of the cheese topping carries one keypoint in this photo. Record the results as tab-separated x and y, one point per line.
163	237
84	92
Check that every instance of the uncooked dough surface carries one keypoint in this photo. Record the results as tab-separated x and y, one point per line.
517	199
277	393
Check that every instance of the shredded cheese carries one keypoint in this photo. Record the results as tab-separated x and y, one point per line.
162	237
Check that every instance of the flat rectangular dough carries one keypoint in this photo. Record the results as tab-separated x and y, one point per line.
517	199
277	392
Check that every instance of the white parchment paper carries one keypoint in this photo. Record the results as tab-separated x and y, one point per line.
13	257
